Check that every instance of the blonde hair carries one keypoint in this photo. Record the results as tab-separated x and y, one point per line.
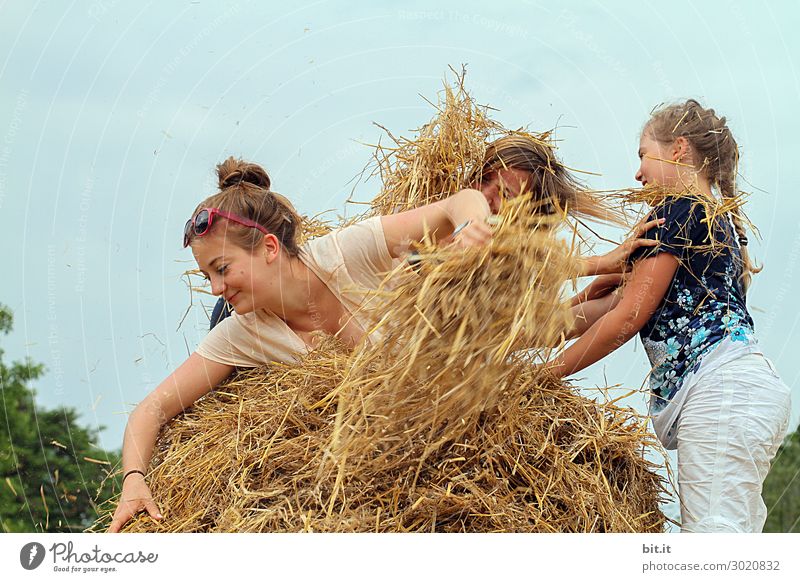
245	190
712	141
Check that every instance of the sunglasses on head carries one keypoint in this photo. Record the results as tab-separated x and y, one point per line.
201	223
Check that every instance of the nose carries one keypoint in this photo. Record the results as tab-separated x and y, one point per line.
217	286
639	177
491	196
494	204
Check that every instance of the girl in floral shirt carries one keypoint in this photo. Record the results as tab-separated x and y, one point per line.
714	396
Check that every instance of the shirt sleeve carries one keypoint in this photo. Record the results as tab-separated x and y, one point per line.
223	345
248	342
676	234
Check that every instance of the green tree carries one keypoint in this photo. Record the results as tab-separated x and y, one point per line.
51	475
782	488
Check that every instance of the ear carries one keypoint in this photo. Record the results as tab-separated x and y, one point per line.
682	150
271	247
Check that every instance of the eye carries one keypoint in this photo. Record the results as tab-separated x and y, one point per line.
222	269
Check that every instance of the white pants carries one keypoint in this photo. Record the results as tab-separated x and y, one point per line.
729	429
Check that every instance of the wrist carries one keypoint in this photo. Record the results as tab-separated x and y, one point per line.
590	266
127	474
581	297
556	368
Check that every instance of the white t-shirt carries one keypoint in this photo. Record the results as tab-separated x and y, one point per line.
352	262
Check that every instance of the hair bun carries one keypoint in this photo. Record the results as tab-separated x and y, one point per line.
233	172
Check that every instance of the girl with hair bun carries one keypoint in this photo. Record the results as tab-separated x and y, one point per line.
714	396
244	239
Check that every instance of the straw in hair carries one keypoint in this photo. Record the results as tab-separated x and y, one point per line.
716	155
464	144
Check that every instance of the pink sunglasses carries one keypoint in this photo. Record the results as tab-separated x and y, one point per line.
201	223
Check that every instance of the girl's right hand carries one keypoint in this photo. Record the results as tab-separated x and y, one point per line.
135	497
468	212
472	234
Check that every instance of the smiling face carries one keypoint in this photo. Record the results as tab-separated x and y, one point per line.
508	182
657	161
242	277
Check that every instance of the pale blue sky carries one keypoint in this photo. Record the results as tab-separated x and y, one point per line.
113	115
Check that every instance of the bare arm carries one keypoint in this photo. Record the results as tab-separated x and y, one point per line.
194	378
601	286
649	283
586	313
439	220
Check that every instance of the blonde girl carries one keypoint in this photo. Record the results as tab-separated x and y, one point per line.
714	396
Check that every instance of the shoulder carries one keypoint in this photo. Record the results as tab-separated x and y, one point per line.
362	244
369	231
364	229
676	207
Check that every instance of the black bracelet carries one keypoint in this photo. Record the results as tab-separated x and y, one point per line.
131	472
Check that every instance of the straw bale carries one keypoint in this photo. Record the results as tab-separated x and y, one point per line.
447	424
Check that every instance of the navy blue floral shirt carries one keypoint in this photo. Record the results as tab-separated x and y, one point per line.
704	304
